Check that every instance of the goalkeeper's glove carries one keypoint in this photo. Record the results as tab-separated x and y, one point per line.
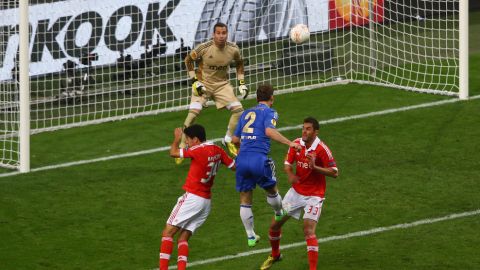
198	88
242	88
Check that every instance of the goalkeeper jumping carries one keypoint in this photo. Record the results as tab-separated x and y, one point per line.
211	81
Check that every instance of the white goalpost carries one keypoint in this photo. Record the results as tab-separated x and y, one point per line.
72	63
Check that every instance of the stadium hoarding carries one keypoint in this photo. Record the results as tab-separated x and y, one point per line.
69	30
344	13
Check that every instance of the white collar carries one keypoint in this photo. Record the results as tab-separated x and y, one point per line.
312	147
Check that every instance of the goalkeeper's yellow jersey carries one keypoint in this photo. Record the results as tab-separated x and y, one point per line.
214	63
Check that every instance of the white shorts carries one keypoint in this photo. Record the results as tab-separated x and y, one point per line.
190	212
293	203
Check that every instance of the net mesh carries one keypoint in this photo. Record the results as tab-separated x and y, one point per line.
95	61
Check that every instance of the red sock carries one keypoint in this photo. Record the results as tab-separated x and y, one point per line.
182	255
275	242
312	250
165	252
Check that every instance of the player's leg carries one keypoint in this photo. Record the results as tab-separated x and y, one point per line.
225	97
292	204
245	184
269	184
166	246
232	125
195	108
274	235
313	209
183	249
312	242
274	199
246	214
198	211
179	216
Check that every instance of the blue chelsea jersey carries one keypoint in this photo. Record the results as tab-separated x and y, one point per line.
251	128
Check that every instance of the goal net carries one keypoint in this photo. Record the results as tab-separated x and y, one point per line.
94	61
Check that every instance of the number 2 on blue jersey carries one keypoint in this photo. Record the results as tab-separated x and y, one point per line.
251	116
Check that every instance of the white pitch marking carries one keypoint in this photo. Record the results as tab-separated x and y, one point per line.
165	148
339	237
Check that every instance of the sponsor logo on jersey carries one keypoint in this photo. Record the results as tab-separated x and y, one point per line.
217	67
304	165
249	137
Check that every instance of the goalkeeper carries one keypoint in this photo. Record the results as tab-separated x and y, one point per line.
211	81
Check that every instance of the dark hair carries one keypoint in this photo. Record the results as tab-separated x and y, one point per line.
313	121
219	24
264	92
196	130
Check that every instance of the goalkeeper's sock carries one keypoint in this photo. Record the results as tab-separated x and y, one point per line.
182	255
275	202
246	215
275	242
312	250
189	120
232	123
165	252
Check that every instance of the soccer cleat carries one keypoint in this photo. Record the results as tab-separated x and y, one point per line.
282	214
252	241
178	161
270	261
232	149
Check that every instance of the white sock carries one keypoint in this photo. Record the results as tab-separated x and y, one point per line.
246	215
276	202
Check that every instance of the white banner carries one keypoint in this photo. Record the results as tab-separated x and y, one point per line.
72	29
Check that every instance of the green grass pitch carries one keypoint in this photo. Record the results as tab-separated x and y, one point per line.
394	169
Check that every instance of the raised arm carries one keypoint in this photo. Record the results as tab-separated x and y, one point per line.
174	150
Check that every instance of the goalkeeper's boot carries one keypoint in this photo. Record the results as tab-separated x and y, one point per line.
232	149
270	261
179	160
252	241
279	217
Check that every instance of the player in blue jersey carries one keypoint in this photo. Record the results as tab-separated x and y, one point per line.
255	128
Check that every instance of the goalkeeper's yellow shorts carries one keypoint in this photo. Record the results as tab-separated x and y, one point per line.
222	95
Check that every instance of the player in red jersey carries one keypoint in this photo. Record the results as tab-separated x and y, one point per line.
193	207
313	163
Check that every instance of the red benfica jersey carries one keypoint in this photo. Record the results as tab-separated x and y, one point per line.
206	158
310	183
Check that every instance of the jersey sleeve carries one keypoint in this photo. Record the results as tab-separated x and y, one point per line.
271	118
192	57
226	160
196	54
327	158
187	153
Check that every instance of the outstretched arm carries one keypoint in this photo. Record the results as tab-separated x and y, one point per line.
277	136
